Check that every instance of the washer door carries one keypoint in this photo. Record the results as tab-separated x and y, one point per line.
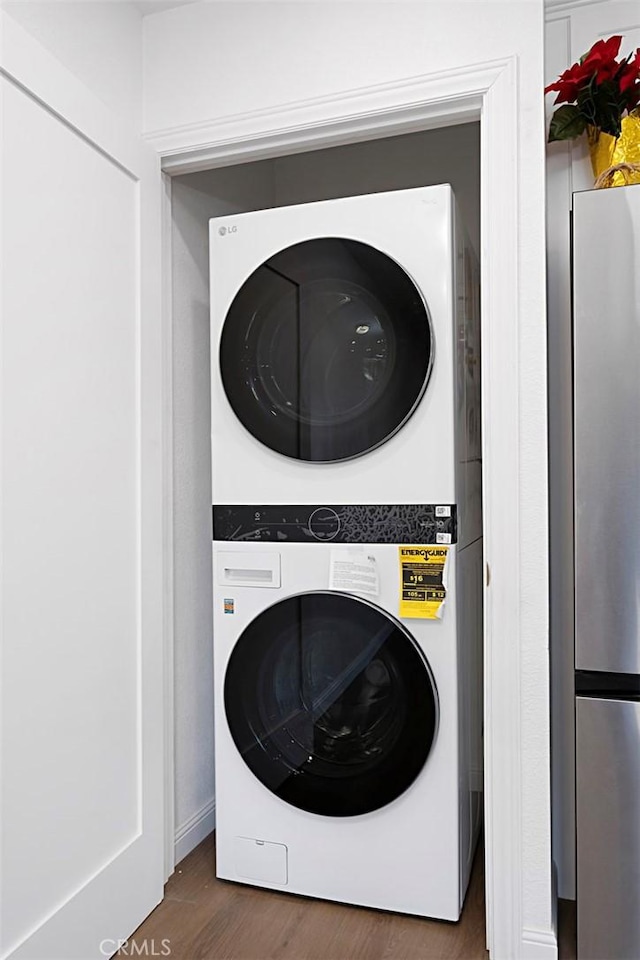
331	703
326	350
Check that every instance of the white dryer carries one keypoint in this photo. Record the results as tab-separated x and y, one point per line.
345	349
348	744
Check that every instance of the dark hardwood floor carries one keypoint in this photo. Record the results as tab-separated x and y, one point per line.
203	918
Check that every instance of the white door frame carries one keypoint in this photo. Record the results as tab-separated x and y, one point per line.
517	757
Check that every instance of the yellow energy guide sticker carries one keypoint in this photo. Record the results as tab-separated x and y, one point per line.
423	580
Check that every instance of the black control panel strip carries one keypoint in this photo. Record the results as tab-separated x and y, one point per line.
363	523
593	683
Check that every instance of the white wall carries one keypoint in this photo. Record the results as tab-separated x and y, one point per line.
209	60
195	199
446	155
99	42
571	29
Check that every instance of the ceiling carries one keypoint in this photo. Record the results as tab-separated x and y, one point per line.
155	6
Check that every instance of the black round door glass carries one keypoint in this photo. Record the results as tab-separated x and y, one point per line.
326	350
330	703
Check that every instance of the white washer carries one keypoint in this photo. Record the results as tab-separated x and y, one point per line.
345	353
348	756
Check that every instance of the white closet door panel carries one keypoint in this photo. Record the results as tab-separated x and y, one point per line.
81	723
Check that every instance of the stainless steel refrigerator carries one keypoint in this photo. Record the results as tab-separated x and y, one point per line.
606	294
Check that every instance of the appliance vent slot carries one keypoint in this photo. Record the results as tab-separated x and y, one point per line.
242	574
248	568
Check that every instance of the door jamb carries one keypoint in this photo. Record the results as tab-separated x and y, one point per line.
168	547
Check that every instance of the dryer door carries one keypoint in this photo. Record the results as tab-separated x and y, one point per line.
326	350
331	703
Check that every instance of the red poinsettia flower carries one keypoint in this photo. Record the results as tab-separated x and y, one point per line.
602	58
570	82
630	73
596	92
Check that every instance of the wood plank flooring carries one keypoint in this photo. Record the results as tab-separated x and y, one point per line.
208	919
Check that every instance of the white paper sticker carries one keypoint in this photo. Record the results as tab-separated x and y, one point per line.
445	584
353	570
443	538
444	511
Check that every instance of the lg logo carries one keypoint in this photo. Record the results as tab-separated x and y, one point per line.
223	231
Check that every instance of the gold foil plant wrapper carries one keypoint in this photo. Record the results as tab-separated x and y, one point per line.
616	162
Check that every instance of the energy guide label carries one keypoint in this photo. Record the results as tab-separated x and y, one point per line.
423	580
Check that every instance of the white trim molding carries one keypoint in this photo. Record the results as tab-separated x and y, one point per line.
538	945
194	830
515	407
501	494
382	110
557	8
168	531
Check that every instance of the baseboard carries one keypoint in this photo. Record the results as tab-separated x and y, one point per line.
539	945
554	897
194	830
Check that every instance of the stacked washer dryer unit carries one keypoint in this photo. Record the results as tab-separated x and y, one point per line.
345	424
